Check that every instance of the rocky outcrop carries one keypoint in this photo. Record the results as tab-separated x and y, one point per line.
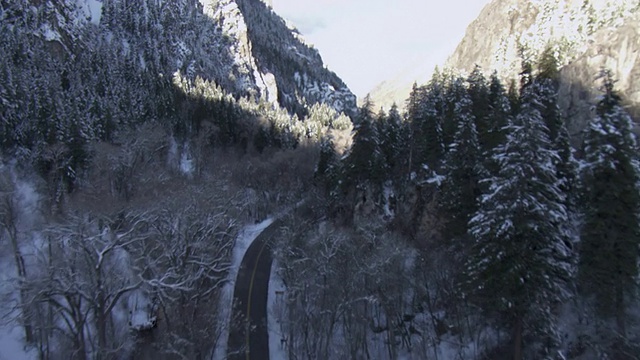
509	30
491	40
616	49
274	56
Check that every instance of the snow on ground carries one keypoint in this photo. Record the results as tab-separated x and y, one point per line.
12	344
388	195
244	240
275	308
11	333
95	11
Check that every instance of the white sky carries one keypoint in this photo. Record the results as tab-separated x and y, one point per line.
368	41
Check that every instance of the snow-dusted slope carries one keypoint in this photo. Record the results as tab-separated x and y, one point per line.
242	45
276	58
507	29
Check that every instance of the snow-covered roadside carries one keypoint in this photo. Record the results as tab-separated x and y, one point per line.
275	309
244	240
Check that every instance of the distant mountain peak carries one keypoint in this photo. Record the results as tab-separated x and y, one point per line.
585	34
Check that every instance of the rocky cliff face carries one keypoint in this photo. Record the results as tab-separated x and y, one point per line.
587	36
285	69
509	30
616	49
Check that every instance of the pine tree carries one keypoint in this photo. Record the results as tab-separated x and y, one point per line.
566	164
365	160
519	266
426	116
548	80
454	90
514	97
463	170
479	94
499	113
548	66
326	171
611	232
393	143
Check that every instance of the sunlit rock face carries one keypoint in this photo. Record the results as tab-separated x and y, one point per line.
587	36
241	45
614	48
508	30
275	57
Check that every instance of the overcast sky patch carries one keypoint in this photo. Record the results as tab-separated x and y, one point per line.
368	41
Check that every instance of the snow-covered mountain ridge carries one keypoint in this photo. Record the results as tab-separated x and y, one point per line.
585	34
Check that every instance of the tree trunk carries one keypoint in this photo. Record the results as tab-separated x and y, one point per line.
517	338
620	311
101	317
102	335
22	276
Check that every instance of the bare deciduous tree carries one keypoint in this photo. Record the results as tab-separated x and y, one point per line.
184	262
10	218
84	271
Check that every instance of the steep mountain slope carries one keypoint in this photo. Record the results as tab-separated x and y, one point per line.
616	49
508	30
241	45
285	69
230	73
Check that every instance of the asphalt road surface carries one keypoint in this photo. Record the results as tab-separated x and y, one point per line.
248	335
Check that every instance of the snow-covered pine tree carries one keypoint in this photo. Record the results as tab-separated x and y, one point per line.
426	112
610	236
463	170
479	94
519	265
499	113
365	160
566	164
547	79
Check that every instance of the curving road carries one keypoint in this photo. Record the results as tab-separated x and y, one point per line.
248	336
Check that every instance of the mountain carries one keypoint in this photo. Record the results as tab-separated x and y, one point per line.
178	121
242	45
78	71
285	69
396	90
585	35
613	48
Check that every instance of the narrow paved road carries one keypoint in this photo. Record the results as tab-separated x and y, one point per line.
248	336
